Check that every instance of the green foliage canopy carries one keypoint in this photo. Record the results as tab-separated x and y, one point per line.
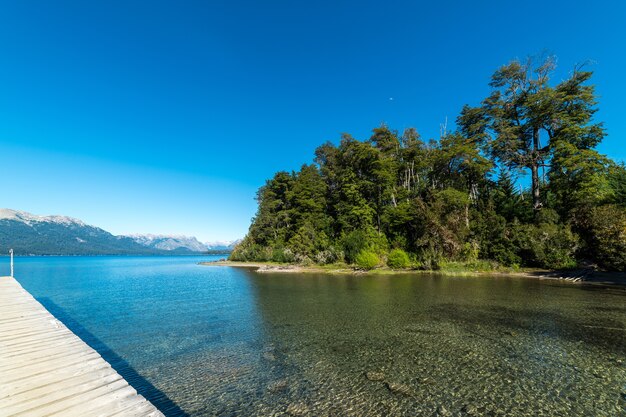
457	198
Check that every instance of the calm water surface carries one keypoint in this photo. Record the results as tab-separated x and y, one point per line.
204	341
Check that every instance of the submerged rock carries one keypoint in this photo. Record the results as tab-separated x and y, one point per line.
375	376
277	386
399	389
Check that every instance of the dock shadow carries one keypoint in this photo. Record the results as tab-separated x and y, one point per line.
143	386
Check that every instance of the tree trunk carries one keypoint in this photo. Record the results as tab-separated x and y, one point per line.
535	171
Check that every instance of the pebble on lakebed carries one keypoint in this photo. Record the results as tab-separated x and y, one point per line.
399	389
277	386
375	376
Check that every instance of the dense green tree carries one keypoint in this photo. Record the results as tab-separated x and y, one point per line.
272	223
526	116
496	237
307	199
457	198
508	201
398	259
367	259
579	177
608	237
546	243
617	182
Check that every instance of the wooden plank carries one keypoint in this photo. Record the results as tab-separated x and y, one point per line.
47	370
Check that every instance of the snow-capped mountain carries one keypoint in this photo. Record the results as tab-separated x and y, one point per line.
169	242
30	234
28	218
222	244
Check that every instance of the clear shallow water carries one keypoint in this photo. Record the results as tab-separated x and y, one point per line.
200	340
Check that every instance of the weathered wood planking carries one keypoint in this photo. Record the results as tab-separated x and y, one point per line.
46	370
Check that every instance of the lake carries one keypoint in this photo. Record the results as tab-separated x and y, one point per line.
200	341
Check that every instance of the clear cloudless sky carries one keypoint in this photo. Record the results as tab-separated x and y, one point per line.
166	116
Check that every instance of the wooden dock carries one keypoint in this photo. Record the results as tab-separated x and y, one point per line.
46	370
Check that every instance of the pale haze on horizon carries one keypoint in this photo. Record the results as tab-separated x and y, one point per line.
166	118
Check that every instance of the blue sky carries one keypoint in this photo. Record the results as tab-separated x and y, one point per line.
165	117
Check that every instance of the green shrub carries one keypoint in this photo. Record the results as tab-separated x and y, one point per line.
329	256
495	238
415	262
353	243
261	254
236	255
546	245
303	242
356	241
608	237
303	260
482	265
470	251
398	259
430	259
282	255
367	260
547	215
247	251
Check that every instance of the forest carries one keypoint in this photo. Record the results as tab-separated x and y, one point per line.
517	183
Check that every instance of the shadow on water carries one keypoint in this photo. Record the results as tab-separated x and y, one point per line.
608	334
143	386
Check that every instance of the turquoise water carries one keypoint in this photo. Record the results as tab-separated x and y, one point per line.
204	341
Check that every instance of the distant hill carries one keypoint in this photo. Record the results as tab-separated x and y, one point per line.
226	245
30	234
169	242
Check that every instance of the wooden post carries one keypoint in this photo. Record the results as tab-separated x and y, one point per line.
11	253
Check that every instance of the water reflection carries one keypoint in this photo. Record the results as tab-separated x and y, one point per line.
231	342
426	344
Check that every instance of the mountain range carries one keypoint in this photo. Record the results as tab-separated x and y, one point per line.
30	234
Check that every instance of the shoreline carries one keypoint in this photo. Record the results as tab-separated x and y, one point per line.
578	276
